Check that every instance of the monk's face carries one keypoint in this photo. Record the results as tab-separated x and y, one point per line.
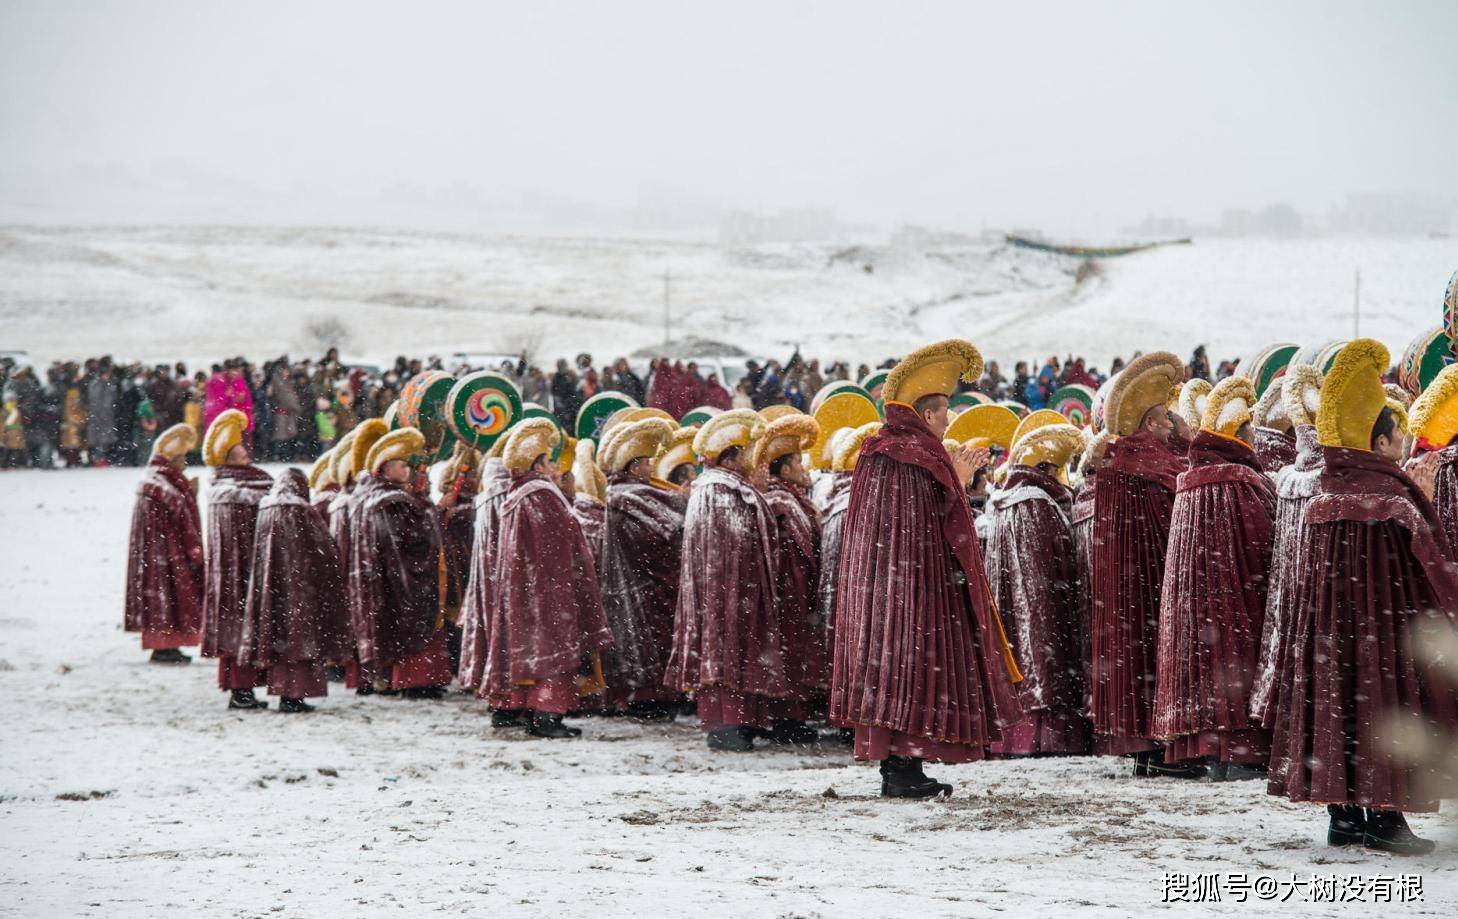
933	411
568	485
793	471
397	471
238	456
640	469
179	462
1159	422
684	475
1246	434
1390	447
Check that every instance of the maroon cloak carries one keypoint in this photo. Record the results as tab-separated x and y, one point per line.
233	499
642	541
832	534
296	618
922	667
1212	604
727	645
1445	493
1132	508
1295	485
394	573
1377	596
546	616
322	499
495	481
590	515
797	569
164	597
1032	566
1083	518
1274	449
458	528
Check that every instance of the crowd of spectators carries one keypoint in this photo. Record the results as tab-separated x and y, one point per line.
103	413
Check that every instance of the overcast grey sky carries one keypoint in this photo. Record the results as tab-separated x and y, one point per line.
1079	115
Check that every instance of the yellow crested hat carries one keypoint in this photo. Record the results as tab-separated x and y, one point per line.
366	434
632	413
321	474
739	427
839	411
1399	415
1148	382
341	462
1097	444
1194	396
399	444
568	459
1434	416
1352	395
997	423
790	433
933	370
1035	420
1301	394
591	483
1050	443
1230	406
631	440
775	412
1398	394
677	452
178	440
225	433
529	439
848	449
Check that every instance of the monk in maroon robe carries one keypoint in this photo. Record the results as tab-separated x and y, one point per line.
727	646
1213	599
459	487
546	626
832	536
922	666
296	619
1377	598
1082	518
236	490
164	596
1032	565
495	482
396	571
1274	449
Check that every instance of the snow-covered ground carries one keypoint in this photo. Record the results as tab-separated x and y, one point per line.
129	790
203	293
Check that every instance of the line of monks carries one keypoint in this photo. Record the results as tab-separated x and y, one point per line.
1234	582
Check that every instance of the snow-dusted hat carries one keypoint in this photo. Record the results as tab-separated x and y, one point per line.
739	427
1097	444
630	413
1050	443
340	468
366	434
1148	382
836	439
225	433
1398	394
1352	395
591	483
529	439
787	434
406	444
1270	409
775	412
848	449
178	440
1042	418
932	370
1433	418
1229	407
568	460
632	440
1194	396
463	459
321	474
679	451
1301	394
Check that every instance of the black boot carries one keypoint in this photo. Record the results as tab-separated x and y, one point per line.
901	777
1387	831
1348	825
423	692
793	733
170	656
1141	765
731	739
549	724
364	689
294	706
244	700
649	711
333	673
1158	767
509	718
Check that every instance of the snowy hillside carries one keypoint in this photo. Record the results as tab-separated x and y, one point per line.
201	293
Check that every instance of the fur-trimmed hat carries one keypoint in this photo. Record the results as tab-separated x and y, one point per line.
1270	409
225	433
340	465
776	412
321	474
1398	394
1097	444
529	439
1352	395
736	428
1433	418
1035	420
366	434
1148	382
1192	400
1230	406
463	458
1051	443
785	435
848	449
1301	394
400	444
677	452
933	370
568	460
632	440
178	440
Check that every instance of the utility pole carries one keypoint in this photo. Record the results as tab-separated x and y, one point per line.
667	313
1357	306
